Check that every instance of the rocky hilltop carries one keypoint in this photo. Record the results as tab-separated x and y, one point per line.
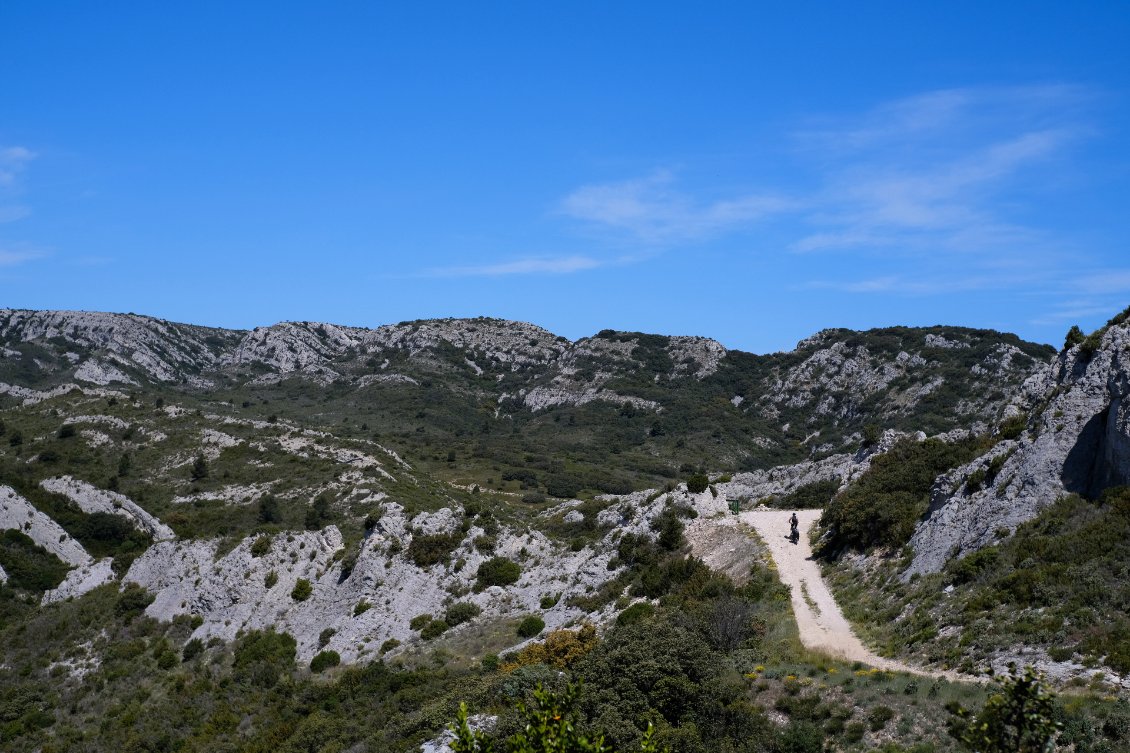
731	409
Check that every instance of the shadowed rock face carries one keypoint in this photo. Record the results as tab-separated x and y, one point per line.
1077	440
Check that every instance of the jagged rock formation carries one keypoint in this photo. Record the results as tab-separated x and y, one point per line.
1076	439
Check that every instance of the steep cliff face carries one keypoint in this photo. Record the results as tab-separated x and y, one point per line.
1075	439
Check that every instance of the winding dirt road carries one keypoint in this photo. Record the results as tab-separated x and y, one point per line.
821	623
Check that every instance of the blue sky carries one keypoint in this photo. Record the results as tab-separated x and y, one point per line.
751	172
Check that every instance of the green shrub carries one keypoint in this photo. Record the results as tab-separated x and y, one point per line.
420	621
498	571
30	567
166	660
641	610
271	579
698	483
66	431
430	549
1093	342
549	601
132	601
302	590
325	637
883	505
389	645
324	660
810	496
433	629
460	612
669	527
261	546
1074	337
878	717
199	470
1020	716
361	608
531	626
1012	428
801	737
261	658
192	649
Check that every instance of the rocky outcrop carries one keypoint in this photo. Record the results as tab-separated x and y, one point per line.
91	499
1076	440
372	602
81	580
16	512
116	344
785	479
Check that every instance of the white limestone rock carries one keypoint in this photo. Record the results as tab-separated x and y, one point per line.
96	372
91	499
80	581
1078	440
16	512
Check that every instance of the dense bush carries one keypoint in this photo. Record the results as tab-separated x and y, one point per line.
302	590
262	658
261	546
531	626
433	629
641	610
498	571
29	566
431	549
324	660
669	527
460	612
698	483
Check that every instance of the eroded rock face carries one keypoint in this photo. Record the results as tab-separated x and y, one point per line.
160	350
372	602
16	512
1077	440
90	498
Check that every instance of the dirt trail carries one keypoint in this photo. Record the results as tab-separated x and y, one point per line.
821	623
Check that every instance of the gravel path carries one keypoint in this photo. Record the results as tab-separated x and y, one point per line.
821	623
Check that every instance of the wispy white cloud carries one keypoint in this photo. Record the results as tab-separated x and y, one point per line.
531	266
14	256
1106	282
943	172
897	284
939	171
652	209
13	159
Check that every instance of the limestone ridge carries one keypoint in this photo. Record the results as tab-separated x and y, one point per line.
1076	439
932	379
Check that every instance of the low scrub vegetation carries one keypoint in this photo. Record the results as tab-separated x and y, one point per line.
883	506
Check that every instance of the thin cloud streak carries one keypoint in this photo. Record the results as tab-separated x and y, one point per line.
651	209
13	159
11	257
534	266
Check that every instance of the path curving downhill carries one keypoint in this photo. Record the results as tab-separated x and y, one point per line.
821	624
